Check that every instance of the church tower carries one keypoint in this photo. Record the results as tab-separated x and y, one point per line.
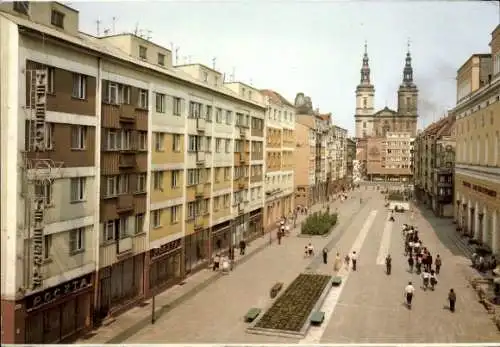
408	98
365	94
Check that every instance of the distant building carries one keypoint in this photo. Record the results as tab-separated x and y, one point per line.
384	138
434	162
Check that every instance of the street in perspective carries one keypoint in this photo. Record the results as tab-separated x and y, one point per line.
222	174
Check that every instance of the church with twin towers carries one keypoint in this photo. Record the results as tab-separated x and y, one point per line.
384	138
371	123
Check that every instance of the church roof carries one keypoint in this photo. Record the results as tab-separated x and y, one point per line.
384	111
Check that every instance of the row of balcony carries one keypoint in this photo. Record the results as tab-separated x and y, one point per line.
201	125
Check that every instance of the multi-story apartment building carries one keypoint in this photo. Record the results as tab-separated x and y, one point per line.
351	158
279	148
311	129
336	159
390	158
434	153
477	168
132	173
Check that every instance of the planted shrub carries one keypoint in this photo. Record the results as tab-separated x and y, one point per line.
319	223
396	196
291	309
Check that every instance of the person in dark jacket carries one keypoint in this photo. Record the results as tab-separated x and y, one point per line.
452	299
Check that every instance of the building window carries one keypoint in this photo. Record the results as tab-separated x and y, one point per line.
229	117
57	19
228	145
143	98
141	183
175	178
44	191
77	240
161	59
77	189
160	103
194	143
142	140
159	142
49	136
158	180
177	106
218	115
116	185
22	7
156	220
143	52
208	113
176	143
205	76
194	109
496	64
174	214
139	223
47	245
79	86
218	145
78	137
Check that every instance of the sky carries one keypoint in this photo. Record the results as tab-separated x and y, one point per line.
315	47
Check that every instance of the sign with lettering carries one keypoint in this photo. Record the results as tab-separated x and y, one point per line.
166	248
37	241
52	294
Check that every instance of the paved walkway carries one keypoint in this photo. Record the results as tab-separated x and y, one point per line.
368	307
139	317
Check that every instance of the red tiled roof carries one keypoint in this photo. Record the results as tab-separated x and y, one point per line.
276	97
440	128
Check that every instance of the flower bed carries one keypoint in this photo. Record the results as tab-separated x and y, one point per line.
396	196
319	223
290	311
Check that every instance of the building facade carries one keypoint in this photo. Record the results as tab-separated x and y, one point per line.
350	159
312	131
477	168
134	173
386	127
279	149
434	163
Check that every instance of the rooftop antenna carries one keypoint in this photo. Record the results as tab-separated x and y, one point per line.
136	30
148	35
224	77
233	75
214	59
171	46
114	25
251	82
98	25
176	55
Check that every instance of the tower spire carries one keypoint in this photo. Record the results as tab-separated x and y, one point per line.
365	68
408	69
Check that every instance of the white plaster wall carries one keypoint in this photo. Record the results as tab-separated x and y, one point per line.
11	240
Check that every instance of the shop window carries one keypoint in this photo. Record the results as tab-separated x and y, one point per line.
68	318
52	325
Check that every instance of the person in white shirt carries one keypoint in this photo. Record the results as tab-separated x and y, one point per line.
426	276
310	249
354	258
409	291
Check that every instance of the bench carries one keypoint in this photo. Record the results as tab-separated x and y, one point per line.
336	281
252	314
276	289
317	317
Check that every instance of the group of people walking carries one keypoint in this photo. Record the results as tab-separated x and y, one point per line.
421	261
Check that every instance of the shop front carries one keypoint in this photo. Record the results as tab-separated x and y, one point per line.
120	284
165	266
255	225
59	313
196	250
221	238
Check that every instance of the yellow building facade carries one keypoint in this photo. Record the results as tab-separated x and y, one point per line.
477	169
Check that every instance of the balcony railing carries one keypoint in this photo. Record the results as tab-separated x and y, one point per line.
127	160
199	190
199	222
124	245
200	124
200	157
125	203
